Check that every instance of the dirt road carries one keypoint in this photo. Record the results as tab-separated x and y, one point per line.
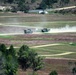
61	54
46	45
70	7
48	56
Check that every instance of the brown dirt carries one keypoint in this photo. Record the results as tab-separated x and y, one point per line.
39	39
54	64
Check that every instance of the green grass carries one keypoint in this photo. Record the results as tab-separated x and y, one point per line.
8	14
63	48
43	51
6	36
73	56
72	44
51	21
57	50
54	24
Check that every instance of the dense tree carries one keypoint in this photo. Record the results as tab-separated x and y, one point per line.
74	70
2	71
32	1
43	5
11	64
2	48
10	1
29	59
23	49
23	6
65	1
9	60
12	51
23	57
36	61
49	3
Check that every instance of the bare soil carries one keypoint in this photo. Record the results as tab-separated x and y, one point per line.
39	39
62	67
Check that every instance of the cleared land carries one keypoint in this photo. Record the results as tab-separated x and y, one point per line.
53	24
45	44
62	66
60	51
57	56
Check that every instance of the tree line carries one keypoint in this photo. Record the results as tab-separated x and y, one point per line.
10	60
24	5
25	58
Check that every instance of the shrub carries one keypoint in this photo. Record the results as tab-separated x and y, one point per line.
53	73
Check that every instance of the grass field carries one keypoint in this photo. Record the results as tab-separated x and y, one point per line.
6	37
54	24
52	50
67	41
38	20
32	40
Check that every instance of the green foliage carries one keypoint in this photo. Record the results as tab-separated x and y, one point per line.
49	3
29	59
23	50
14	9
65	1
10	1
26	9
74	70
2	48
23	57
11	64
43	5
37	64
1	10
36	61
2	72
11	69
10	60
23	6
53	73
32	1
12	51
72	44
